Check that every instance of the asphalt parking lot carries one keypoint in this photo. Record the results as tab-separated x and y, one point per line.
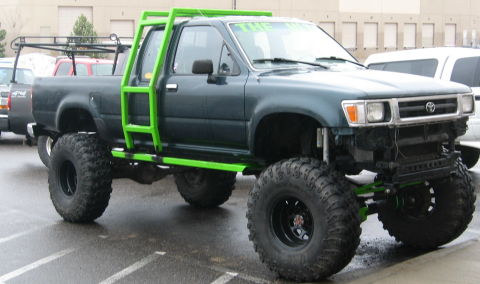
147	234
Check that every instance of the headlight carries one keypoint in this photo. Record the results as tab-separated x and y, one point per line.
375	112
364	112
468	104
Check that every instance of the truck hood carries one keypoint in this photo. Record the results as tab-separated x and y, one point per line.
364	84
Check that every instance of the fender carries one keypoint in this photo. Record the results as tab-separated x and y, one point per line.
76	101
262	100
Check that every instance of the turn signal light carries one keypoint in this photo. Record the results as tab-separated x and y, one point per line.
352	113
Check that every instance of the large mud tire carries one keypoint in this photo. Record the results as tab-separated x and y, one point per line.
303	219
431	214
205	188
80	178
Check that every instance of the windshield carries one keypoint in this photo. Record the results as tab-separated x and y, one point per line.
287	40
23	76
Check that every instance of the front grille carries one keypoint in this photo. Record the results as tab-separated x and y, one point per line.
419	108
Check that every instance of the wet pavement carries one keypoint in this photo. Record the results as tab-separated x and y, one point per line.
148	234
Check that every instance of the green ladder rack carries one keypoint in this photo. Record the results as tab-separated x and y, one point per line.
167	19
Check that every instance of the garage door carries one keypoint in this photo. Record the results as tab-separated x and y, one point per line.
123	28
67	15
349	35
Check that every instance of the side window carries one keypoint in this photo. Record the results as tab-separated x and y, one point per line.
227	66
197	43
376	66
467	71
424	67
63	69
81	69
150	54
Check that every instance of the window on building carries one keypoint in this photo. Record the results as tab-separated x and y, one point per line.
428	31
349	35
390	35
424	67
467	71
450	34
370	35
67	15
328	27
410	35
465	38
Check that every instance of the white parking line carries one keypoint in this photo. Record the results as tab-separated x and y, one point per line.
34	265
225	278
132	268
17	235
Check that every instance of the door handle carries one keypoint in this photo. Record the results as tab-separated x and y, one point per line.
172	87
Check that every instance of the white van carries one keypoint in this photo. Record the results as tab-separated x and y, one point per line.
456	64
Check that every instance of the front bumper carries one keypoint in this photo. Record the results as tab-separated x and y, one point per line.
409	153
404	172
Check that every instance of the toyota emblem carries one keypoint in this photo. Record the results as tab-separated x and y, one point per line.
430	107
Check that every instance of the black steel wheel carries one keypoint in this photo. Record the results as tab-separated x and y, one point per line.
303	219
292	222
68	178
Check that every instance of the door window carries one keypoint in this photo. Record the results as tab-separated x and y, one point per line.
63	69
197	43
227	65
150	54
467	71
81	69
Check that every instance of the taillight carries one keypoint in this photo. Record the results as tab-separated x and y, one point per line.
9	101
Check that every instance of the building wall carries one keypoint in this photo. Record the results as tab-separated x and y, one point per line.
359	24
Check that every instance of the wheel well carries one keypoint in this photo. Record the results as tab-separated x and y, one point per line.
74	120
285	135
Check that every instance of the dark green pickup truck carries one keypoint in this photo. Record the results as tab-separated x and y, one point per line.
236	91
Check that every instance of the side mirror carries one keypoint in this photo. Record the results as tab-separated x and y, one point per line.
204	67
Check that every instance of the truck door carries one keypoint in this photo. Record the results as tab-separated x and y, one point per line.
200	112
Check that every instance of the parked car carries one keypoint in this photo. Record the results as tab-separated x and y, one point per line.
455	64
240	91
15	99
84	66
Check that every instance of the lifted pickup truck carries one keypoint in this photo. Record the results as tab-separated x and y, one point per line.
237	91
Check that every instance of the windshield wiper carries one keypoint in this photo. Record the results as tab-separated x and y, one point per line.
285	60
341	59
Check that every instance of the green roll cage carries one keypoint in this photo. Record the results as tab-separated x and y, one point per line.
167	19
